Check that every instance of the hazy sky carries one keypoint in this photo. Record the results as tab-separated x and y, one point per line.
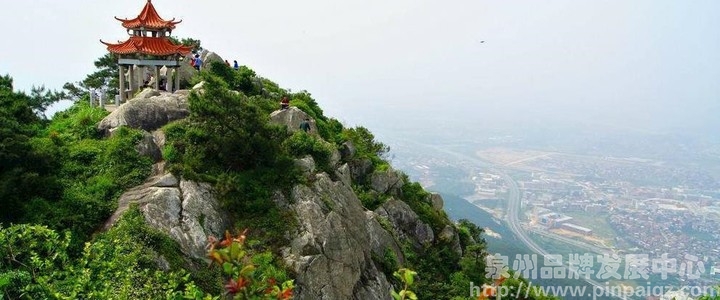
644	64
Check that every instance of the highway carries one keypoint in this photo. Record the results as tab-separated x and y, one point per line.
513	221
513	207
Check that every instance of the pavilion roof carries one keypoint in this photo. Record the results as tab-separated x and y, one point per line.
149	19
158	46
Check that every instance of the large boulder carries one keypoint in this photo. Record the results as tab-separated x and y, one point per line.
381	240
209	57
387	182
347	150
187	211
306	165
437	201
148	147
450	235
406	223
146	113
331	252
187	71
360	168
292	117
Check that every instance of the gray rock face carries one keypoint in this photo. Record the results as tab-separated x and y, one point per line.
360	168
292	117
334	160
167	180
148	147
343	172
146	113
347	150
437	201
209	57
147	93
450	234
380	239
306	164
186	211
389	181
406	223
201	217
159	138
331	252
187	71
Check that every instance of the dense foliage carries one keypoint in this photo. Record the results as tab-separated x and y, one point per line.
35	263
60	179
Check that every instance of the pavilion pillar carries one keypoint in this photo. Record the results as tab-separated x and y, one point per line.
157	78
131	70
177	78
123	94
142	74
169	80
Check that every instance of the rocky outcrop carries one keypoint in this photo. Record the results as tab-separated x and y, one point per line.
306	165
406	223
360	168
437	201
148	147
450	235
331	252
292	117
148	111
381	240
347	151
187	211
387	182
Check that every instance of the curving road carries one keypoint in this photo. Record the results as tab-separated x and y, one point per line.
513	221
513	207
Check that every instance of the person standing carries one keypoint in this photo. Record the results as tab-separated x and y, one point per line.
198	62
235	65
285	103
305	125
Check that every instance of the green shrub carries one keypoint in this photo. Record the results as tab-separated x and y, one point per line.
366	146
120	264
417	198
369	198
301	144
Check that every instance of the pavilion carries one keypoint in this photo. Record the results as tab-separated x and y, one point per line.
149	45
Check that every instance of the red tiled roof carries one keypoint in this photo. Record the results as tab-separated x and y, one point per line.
160	46
148	18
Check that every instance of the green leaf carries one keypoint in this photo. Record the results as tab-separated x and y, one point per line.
247	270
409	277
227	267
411	295
395	295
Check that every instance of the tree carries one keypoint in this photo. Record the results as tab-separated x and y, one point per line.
25	169
106	78
229	132
41	98
196	44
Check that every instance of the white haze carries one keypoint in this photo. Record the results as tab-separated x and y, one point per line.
644	64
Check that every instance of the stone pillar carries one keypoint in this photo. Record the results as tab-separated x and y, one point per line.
92	101
123	95
131	70
117	101
157	78
102	101
141	77
169	81
177	78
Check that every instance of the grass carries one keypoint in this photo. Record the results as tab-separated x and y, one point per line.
598	223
